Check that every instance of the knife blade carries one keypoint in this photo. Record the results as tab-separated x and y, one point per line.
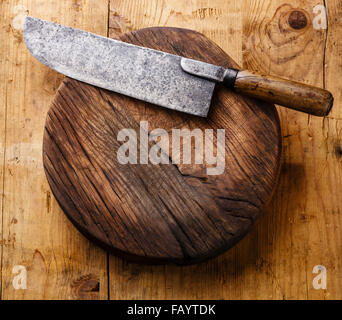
158	77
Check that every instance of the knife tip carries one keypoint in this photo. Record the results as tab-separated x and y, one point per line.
30	25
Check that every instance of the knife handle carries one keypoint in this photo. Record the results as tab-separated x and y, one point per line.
290	94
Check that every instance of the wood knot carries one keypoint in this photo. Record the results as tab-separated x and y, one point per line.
86	287
338	151
298	20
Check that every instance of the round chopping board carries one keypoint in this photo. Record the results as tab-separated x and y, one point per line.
166	213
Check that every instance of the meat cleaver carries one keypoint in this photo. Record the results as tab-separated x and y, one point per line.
158	77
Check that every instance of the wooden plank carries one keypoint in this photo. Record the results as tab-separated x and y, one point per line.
331	180
60	263
301	227
220	21
3	105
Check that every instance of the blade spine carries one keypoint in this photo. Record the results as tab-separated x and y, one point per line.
101	36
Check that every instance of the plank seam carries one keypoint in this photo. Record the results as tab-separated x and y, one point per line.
108	258
325	44
3	196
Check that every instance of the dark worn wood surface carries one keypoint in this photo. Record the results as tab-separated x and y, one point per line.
160	213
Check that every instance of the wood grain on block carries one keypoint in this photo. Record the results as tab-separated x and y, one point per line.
35	234
173	213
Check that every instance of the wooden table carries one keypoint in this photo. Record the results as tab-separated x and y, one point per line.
301	226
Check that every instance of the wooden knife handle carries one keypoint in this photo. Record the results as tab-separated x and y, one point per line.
290	94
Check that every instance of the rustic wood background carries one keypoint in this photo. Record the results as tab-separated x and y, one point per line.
300	228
